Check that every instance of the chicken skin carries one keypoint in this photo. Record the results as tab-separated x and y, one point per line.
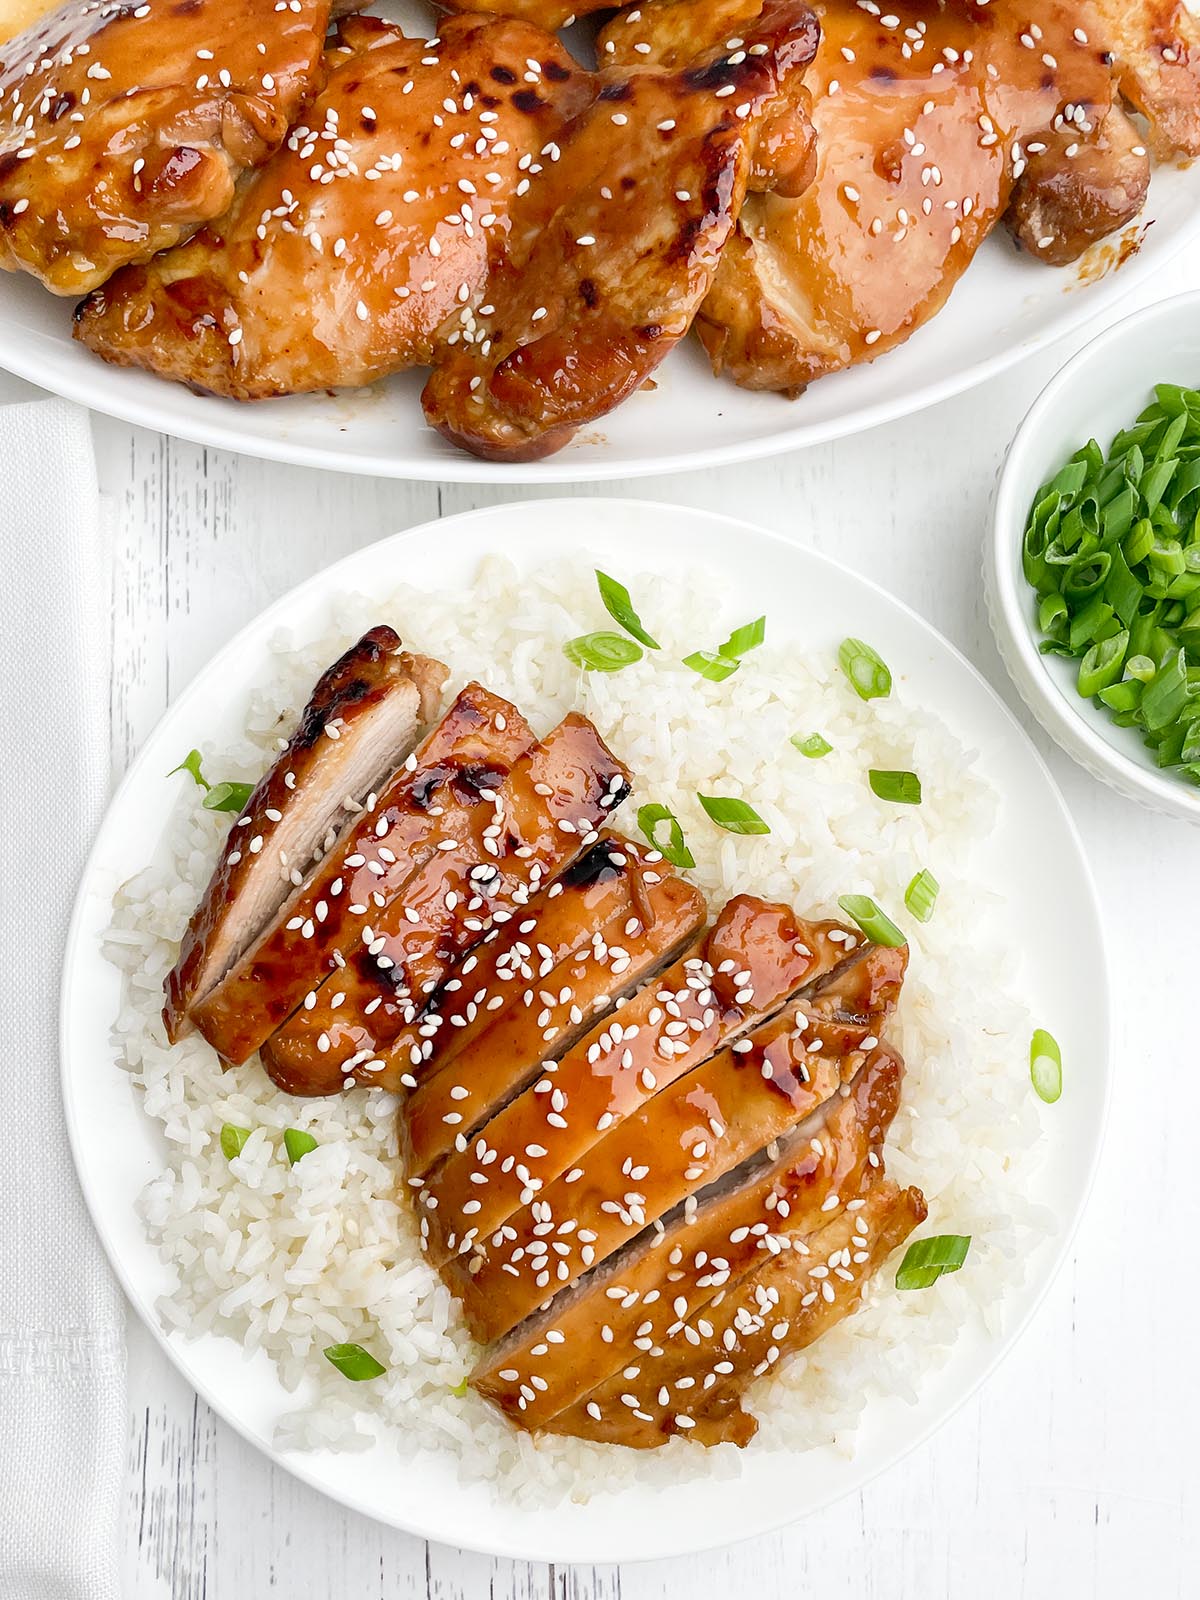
618	244
379	219
924	119
124	127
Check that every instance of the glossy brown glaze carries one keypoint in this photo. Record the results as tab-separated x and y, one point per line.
783	158
598	940
321	921
616	245
363	717
629	1307
495	857
123	127
753	959
379	218
925	117
694	1383
1072	194
690	1134
1155	50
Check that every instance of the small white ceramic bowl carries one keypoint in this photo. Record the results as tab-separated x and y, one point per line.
1095	395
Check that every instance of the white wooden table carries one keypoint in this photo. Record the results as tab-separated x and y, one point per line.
1075	1472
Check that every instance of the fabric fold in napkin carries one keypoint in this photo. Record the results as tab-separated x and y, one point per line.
62	1364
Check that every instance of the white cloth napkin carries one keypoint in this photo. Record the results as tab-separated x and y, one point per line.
62	1364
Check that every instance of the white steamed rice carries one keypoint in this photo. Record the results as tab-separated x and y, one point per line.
291	1260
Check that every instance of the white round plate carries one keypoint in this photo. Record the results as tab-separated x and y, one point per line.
1033	852
1006	307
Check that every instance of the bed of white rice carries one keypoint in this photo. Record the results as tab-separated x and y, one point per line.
292	1259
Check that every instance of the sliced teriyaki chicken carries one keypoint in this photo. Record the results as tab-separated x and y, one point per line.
753	959
694	1382
503	849
124	127
690	1134
622	916
366	242
925	116
616	244
320	923
624	1310
363	718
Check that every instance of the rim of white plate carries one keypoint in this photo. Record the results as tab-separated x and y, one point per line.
177	1353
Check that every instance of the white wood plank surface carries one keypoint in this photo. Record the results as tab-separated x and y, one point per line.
1074	1472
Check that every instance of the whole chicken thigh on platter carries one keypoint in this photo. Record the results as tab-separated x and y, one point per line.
363	246
124	126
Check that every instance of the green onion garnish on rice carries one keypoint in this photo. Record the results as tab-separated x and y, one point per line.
217	796
232	1140
735	816
191	763
866	669
602	652
711	664
620	608
1045	1066
227	796
297	1143
717	665
353	1362
902	788
459	1390
921	895
743	639
1112	549
876	924
812	745
926	1259
675	850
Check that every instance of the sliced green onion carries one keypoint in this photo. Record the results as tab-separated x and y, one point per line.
876	924
921	895
904	788
1167	694
620	608
297	1143
1111	545
743	639
1050	608
711	664
1101	666
926	1259
650	818
1045	1066
602	652
735	816
191	763
353	1362
812	745
217	796
459	1390
227	796
232	1139
866	669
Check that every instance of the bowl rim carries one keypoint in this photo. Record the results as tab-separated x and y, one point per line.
1054	710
